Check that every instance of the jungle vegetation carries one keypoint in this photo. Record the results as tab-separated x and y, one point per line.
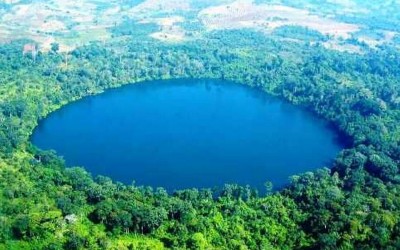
353	204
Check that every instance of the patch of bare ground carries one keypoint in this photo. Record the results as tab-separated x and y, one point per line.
169	29
334	45
388	37
247	14
46	22
151	6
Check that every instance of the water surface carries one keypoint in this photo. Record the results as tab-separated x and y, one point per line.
188	133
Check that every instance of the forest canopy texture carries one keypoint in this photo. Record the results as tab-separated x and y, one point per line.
352	204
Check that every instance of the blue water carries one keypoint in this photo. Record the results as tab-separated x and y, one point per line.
188	133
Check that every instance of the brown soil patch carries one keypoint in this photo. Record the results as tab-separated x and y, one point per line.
246	14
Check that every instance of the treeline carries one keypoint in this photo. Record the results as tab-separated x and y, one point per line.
354	205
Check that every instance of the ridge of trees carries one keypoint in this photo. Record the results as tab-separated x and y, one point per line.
353	205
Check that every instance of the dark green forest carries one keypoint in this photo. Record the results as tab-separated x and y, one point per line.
352	204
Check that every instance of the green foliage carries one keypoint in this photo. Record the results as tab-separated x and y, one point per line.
300	33
44	205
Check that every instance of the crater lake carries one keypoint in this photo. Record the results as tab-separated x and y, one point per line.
189	133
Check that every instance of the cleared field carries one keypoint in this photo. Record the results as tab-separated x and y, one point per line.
246	14
170	6
76	22
46	22
170	31
334	45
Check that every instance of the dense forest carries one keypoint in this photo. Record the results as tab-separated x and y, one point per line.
352	204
